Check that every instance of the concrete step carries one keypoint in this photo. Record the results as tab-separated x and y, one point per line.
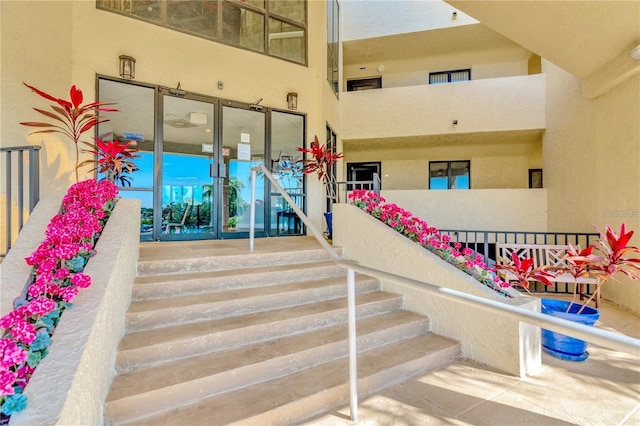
204	263
161	286
161	345
139	393
156	313
304	394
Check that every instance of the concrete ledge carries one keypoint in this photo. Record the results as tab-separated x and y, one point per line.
70	385
499	342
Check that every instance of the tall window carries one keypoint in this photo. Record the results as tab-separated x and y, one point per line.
449	76
449	174
332	143
333	44
275	27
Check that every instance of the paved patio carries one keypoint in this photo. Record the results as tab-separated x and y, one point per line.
603	390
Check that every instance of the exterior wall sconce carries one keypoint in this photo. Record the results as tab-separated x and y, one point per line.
292	100
127	67
454	123
454	16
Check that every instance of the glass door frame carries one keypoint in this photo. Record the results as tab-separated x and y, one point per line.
267	152
158	234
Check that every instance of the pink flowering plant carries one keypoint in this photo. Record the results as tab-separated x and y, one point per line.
429	237
57	277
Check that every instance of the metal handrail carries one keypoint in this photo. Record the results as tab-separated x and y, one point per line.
581	331
34	186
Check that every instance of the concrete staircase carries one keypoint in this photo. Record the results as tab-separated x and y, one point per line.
259	339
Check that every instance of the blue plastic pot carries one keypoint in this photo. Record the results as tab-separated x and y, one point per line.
329	218
560	345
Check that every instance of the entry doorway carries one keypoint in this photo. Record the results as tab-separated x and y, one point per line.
195	158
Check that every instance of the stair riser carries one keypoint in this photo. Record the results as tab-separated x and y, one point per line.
221	263
149	320
184	287
338	396
192	346
165	399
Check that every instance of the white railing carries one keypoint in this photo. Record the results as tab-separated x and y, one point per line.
594	335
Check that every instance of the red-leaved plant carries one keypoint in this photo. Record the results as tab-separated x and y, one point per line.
612	255
74	118
321	161
113	159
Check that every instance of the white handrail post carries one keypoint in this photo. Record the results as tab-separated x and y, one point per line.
252	210
353	347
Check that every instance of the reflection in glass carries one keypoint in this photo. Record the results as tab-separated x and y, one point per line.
242	148
286	41
187	186
287	135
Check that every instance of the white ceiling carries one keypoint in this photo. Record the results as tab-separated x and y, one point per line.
579	36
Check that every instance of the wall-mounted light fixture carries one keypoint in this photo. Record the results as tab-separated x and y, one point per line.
454	123
635	53
454	16
292	100
127	67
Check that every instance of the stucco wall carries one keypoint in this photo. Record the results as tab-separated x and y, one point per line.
476	209
500	162
53	45
489	105
70	385
486	338
591	152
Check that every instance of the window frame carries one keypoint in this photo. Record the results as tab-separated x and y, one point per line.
333	46
449	73
265	12
364	83
450	176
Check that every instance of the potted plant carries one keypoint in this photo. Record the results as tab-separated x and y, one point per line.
232	222
608	257
321	161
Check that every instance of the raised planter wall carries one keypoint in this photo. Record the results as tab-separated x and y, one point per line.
485	337
70	385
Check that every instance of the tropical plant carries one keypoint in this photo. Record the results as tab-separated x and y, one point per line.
73	117
321	160
613	257
113	159
610	255
524	272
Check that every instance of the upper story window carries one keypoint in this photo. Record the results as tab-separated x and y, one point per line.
449	174
364	84
449	76
275	27
333	44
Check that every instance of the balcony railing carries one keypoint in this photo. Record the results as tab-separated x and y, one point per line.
17	183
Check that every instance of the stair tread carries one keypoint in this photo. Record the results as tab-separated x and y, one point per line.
242	404
159	376
149	280
178	332
235	294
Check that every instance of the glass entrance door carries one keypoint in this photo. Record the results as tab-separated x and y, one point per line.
188	189
243	147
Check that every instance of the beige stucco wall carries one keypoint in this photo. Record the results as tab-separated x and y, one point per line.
476	209
591	152
500	162
70	385
411	71
53	45
489	105
485	337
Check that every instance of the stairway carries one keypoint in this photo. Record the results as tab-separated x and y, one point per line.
259	339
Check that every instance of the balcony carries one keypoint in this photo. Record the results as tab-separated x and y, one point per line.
492	105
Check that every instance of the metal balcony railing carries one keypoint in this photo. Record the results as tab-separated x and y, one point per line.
22	181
